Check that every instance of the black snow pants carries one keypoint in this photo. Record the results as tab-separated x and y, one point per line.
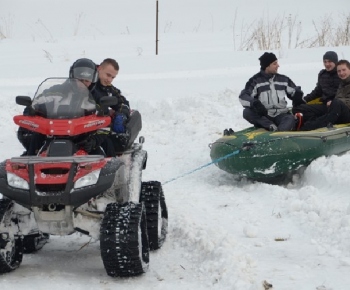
338	113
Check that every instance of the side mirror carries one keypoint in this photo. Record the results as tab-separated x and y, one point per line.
23	100
106	102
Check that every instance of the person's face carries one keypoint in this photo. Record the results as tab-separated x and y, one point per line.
86	83
106	74
328	65
272	68
343	71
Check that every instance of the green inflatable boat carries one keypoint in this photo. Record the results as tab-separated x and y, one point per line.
267	156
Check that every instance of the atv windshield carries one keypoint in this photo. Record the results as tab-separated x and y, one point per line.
62	98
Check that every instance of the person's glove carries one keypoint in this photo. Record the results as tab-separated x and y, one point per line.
118	125
121	141
259	108
89	144
124	109
298	97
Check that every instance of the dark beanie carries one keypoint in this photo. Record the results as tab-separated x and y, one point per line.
266	59
331	56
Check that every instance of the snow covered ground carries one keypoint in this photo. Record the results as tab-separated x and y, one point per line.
223	233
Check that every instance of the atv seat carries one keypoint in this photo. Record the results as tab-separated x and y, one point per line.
60	148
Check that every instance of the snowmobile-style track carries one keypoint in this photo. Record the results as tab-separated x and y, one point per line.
156	213
11	247
123	240
34	242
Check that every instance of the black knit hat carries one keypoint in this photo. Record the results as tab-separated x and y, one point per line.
331	56
266	59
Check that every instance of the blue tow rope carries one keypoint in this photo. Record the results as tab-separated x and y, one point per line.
203	166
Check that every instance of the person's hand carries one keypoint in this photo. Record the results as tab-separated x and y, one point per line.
89	144
259	108
111	112
298	97
124	109
329	103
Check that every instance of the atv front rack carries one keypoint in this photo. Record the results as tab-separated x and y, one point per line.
70	159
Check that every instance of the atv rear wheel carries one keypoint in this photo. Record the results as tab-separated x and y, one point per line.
156	213
123	240
11	246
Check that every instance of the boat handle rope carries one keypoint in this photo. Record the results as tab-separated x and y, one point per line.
203	166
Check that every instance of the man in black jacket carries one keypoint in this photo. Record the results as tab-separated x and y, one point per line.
107	71
118	137
325	90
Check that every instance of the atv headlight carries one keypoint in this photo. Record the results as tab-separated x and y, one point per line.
16	181
89	179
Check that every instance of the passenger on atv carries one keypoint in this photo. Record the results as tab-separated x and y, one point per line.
84	70
67	100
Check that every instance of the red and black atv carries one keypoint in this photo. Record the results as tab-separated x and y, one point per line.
63	190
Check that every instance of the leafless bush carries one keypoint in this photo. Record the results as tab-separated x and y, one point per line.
294	30
234	30
44	31
267	34
324	31
196	28
77	23
264	34
341	33
48	55
167	27
6	25
139	51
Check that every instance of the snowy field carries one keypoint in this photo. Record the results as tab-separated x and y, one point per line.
223	233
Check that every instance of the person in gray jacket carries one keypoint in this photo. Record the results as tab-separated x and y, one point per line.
264	97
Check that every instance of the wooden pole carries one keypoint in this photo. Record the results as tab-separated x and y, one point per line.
157	27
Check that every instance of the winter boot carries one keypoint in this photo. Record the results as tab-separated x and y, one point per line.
298	120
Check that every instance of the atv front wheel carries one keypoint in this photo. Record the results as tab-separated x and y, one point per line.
123	240
156	213
11	246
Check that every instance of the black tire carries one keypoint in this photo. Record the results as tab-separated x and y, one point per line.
11	246
123	240
34	242
156	213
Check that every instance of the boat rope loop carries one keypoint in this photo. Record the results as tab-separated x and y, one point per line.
203	166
